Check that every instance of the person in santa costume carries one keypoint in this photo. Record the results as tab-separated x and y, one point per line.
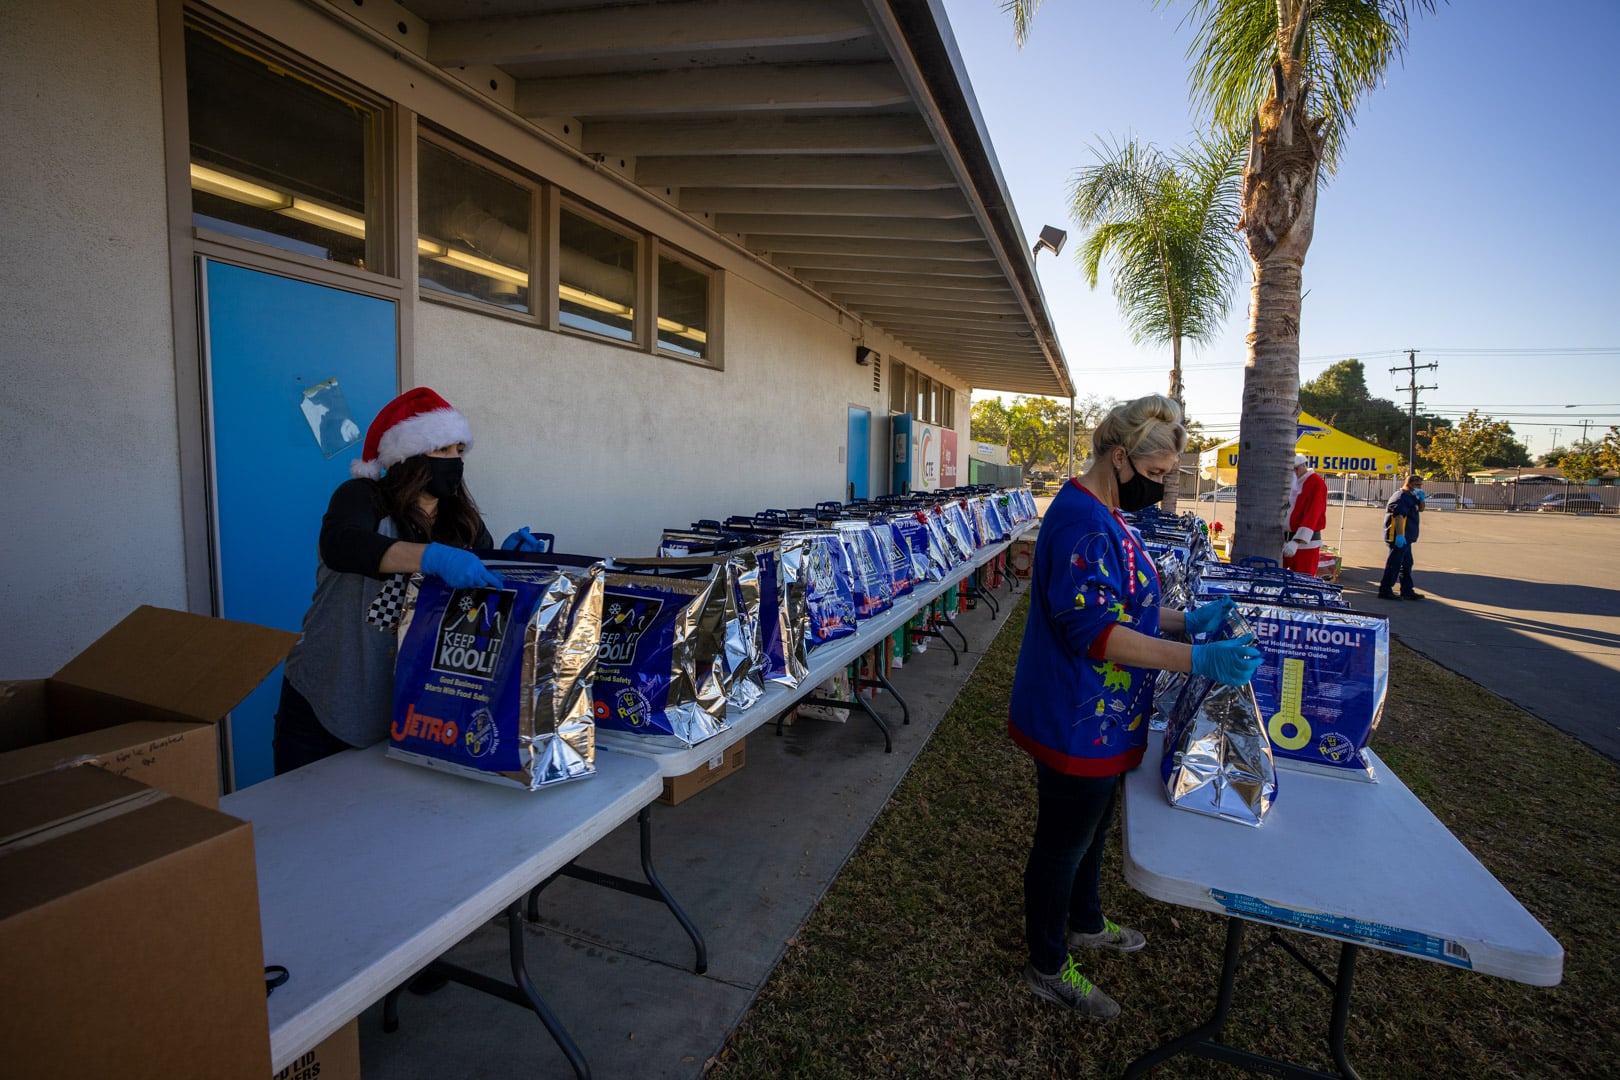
1308	518
405	511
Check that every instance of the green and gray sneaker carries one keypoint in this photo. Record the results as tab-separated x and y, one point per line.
1072	990
1111	936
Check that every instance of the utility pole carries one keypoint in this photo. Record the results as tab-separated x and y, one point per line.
1584	442
1412	368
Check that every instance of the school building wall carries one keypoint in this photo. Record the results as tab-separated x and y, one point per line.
599	444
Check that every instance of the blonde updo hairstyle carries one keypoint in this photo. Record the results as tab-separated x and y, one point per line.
1144	427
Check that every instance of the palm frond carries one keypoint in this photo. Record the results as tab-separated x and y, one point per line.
1023	14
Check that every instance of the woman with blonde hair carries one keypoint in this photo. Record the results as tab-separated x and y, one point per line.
1083	690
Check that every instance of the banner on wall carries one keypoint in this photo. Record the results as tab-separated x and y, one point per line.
925	471
947	459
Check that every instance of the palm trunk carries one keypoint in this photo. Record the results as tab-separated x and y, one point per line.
1172	483
1279	215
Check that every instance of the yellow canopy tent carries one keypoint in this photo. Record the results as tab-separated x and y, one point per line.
1332	453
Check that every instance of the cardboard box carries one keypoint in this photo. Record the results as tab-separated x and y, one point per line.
677	789
143	701
129	923
336	1058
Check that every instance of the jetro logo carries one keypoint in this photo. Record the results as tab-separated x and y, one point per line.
471	631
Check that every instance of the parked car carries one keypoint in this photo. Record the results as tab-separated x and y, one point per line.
1574	502
1448	500
1349	498
1225	494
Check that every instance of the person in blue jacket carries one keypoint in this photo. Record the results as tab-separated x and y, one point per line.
1401	522
1083	690
406	511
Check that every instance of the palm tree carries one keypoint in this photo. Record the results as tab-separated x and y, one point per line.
1288	74
1166	225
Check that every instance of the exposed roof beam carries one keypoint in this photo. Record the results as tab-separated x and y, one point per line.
717	90
912	171
811	263
941	251
886	134
931	204
930	284
646	29
896	228
926	302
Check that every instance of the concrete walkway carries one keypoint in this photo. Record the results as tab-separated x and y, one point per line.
748	859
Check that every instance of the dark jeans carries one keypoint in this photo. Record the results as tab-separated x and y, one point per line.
300	737
1063	878
1399	564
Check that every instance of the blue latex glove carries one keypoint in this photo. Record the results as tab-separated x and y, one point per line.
1421	496
1232	662
524	540
1206	617
458	569
1400	541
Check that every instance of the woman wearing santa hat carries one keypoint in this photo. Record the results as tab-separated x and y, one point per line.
406	511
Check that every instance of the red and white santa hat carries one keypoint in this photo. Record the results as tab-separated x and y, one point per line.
1301	459
416	422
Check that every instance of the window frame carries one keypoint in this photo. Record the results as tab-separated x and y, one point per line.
662	250
540	252
638	340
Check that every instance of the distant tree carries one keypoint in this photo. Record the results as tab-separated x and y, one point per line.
1037	431
1339	396
987	422
1457	450
1197	440
1581	465
1507	453
1166	225
1552	457
1608	451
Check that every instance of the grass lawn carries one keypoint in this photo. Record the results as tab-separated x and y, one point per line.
911	964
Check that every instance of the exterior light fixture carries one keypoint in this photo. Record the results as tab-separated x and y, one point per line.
863	355
1052	239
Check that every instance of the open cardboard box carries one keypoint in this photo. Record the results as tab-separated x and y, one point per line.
143	701
129	923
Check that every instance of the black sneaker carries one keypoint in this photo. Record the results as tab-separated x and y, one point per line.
1413	596
1385	594
1072	990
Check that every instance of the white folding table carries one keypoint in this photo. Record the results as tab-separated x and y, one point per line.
370	869
1362	864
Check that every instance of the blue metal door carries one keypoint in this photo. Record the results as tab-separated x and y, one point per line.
273	347
860	451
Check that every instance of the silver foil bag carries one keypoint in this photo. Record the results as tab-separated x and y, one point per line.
742	654
1218	760
784	614
495	684
814	562
870	575
660	672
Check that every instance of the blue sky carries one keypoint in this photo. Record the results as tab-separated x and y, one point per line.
1473	217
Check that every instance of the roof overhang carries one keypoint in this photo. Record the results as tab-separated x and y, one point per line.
838	140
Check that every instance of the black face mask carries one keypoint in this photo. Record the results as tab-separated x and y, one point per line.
444	477
1138	492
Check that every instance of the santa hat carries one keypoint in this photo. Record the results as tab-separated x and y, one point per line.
417	422
1301	459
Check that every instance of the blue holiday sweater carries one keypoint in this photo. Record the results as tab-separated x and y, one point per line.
1070	708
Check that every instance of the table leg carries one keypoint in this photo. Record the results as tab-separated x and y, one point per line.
1201	1040
651	889
521	991
1211	1028
861	704
878	680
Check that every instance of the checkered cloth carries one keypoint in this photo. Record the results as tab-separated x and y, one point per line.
389	604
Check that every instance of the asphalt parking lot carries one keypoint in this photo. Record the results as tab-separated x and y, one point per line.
1525	604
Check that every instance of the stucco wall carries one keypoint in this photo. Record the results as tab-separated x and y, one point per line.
87	416
605	447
